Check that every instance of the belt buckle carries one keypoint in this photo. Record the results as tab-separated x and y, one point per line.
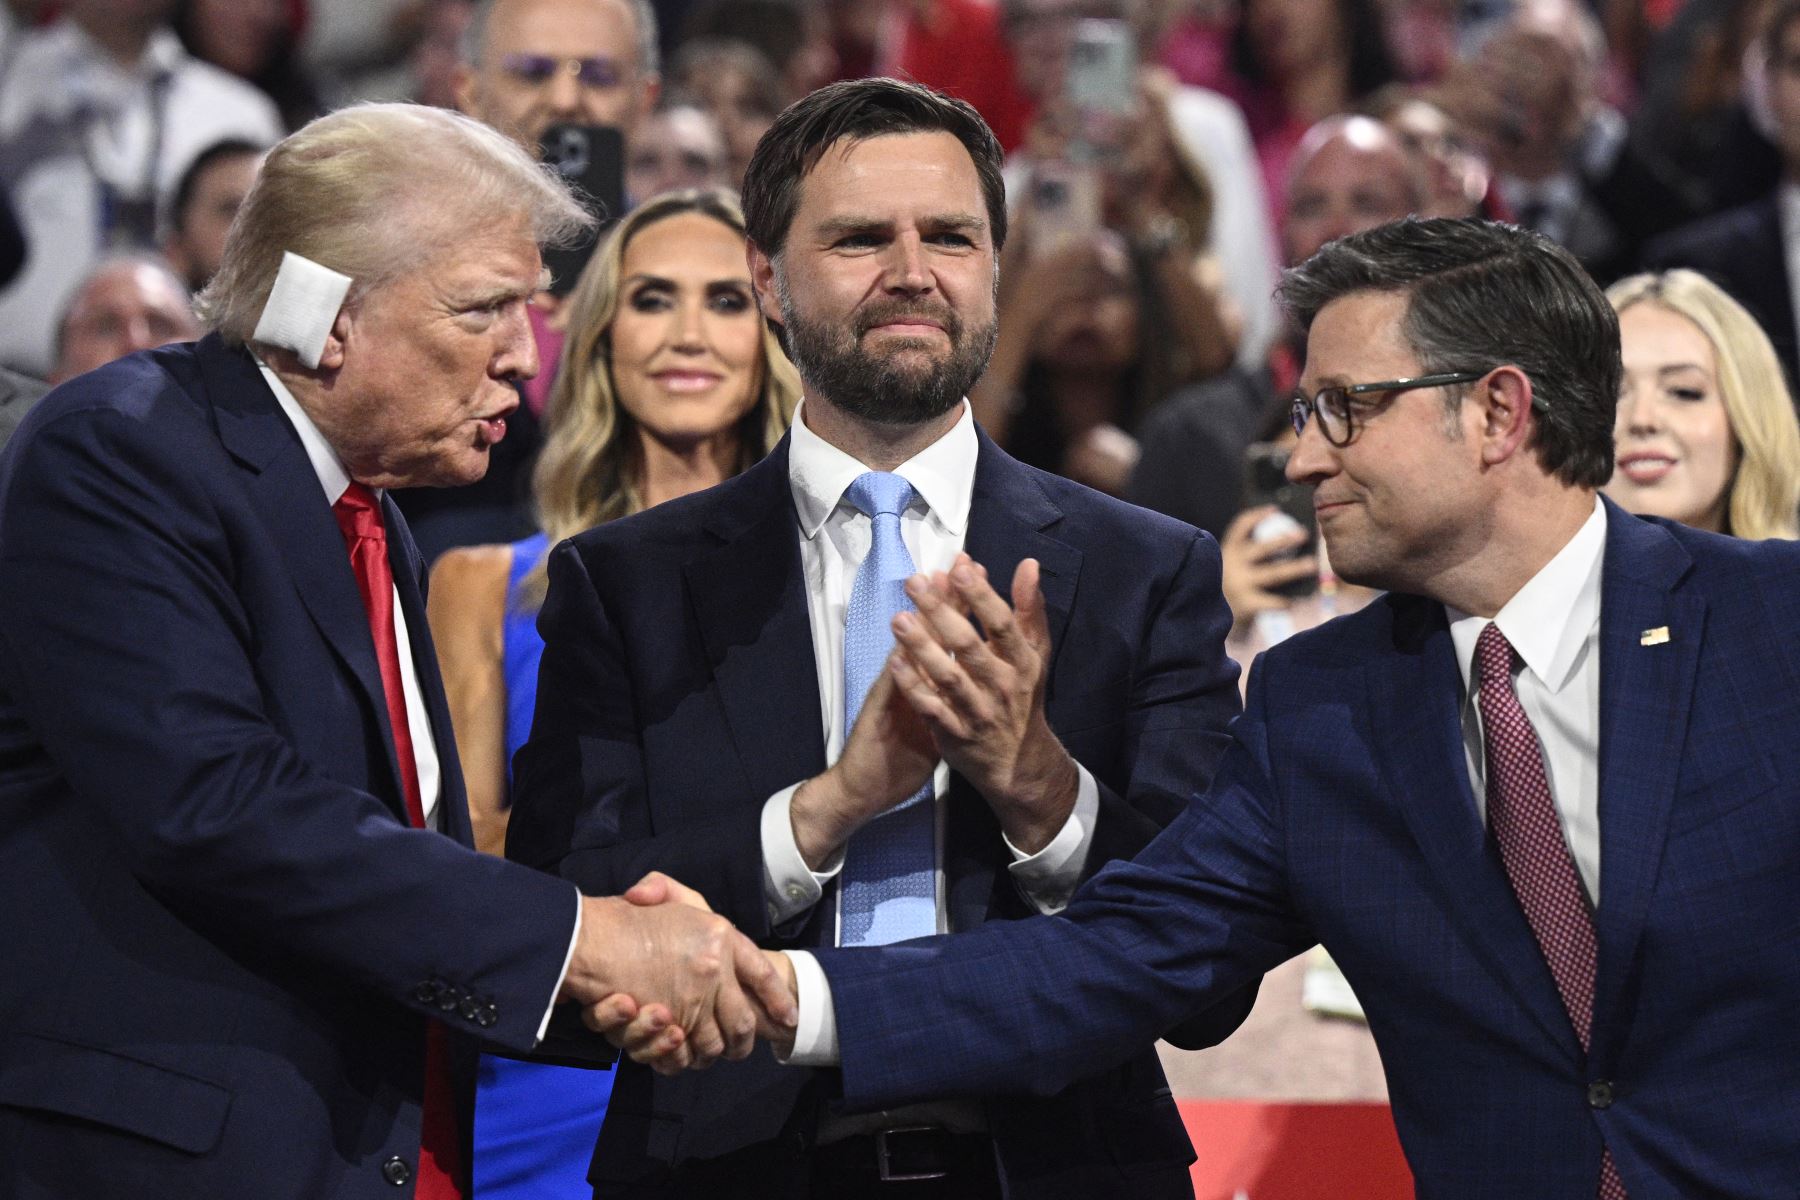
883	1156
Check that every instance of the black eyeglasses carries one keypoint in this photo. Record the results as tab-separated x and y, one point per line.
536	70
1336	404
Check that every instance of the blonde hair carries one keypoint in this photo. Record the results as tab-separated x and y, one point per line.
372	191
587	472
1764	492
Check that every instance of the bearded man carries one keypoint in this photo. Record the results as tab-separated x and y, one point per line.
706	663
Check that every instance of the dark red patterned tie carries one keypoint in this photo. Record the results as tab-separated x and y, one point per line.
358	515
1523	817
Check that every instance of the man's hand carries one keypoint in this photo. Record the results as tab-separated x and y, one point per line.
983	698
888	757
649	1034
646	1036
1251	570
662	957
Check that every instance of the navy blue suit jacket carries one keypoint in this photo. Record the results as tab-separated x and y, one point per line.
1343	814
221	938
679	691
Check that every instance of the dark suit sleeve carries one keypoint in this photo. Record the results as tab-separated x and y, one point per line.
1183	697
1034	1005
129	646
581	801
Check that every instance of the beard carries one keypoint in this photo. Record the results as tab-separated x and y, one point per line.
836	367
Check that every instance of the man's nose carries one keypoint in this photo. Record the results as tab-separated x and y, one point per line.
1312	458
906	267
562	91
518	354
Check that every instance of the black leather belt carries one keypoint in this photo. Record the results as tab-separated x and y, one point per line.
908	1154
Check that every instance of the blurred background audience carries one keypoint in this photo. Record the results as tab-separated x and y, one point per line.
101	111
671	382
127	303
1166	157
200	209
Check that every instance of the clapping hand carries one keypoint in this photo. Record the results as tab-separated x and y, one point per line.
982	697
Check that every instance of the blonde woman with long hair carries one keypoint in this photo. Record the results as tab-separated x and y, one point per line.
669	382
1706	432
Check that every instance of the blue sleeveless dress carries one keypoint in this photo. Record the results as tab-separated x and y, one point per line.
535	1124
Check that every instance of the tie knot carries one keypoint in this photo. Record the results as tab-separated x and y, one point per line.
1494	653
359	513
879	493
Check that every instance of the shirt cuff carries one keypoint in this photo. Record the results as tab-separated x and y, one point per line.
1049	877
816	1036
568	957
790	887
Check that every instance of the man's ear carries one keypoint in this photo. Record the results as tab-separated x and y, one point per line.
331	358
1507	418
762	278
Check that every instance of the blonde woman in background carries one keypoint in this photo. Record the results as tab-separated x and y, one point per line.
1706	432
670	382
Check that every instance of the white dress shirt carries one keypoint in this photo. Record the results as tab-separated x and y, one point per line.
335	481
1553	623
834	539
73	118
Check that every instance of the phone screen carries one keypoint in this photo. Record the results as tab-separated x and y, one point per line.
1101	84
592	159
1266	482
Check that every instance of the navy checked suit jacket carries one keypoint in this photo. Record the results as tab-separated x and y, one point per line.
220	937
1343	814
679	691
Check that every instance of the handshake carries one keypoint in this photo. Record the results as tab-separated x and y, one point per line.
673	984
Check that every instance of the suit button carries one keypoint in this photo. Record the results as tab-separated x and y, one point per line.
449	997
427	992
396	1171
488	1017
1600	1094
468	1008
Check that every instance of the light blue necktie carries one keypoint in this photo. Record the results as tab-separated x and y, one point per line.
889	882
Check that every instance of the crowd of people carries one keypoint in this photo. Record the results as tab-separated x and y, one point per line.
1012	408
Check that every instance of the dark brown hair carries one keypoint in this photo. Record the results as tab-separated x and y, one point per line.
858	109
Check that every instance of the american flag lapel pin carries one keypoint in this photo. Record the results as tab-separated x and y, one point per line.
1654	637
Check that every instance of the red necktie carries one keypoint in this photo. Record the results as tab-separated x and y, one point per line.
358	515
1538	863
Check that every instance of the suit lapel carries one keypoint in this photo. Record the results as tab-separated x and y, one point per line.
748	596
1645	695
1413	697
285	491
1010	515
404	560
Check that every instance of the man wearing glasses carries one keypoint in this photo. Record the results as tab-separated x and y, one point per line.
1541	801
530	64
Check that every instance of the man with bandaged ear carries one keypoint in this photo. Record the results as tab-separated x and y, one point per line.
249	946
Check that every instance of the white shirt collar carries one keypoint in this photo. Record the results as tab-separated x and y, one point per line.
942	474
1549	619
325	461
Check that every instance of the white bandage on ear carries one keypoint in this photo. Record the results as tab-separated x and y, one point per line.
302	306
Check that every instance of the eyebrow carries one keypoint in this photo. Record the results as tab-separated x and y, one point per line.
1668	367
657	281
937	223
